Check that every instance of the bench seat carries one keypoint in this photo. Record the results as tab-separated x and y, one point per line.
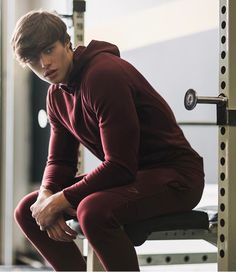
139	231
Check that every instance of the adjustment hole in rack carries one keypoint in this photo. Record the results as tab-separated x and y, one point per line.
168	259
223	39
222	146
149	260
222	207
223	9
222	253
186	259
223	84
222	238
222	131
223	54
223	69
222	176
204	258
222	222
223	25
222	161
222	191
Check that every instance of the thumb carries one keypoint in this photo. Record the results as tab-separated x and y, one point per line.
31	207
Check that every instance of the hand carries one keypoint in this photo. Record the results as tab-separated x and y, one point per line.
47	209
71	211
60	231
43	194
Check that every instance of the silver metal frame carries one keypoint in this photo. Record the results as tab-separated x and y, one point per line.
177	258
227	140
1	104
78	24
7	162
93	263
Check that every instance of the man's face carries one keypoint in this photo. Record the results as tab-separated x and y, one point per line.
54	63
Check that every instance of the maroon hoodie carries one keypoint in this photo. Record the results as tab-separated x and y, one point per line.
110	108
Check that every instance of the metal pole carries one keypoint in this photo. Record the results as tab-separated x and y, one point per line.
79	8
7	134
1	143
227	140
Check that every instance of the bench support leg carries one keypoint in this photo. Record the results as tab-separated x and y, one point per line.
93	263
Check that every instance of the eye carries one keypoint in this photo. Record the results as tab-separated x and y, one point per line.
48	50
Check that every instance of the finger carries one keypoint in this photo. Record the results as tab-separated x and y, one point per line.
61	230
32	212
32	207
66	228
51	234
37	222
64	235
42	228
58	234
40	224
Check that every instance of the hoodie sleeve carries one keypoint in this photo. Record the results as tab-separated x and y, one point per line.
62	159
110	97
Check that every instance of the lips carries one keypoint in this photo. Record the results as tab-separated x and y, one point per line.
49	73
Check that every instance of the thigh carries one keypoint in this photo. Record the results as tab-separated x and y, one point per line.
154	192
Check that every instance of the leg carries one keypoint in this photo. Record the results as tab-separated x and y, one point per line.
111	244
61	255
155	192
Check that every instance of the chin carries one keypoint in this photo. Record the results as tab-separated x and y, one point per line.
54	81
57	80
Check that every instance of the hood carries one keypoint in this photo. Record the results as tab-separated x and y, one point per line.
83	55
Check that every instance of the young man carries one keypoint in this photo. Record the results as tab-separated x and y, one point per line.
97	99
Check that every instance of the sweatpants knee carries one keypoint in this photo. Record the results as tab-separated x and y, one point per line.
22	210
94	214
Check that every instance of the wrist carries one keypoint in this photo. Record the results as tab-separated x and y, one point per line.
43	189
44	193
63	202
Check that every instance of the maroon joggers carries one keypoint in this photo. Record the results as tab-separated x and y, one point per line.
101	215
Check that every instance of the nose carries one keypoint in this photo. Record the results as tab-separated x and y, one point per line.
45	61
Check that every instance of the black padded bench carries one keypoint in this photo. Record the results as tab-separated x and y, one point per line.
195	224
139	232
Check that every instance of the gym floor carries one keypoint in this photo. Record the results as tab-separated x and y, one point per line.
188	267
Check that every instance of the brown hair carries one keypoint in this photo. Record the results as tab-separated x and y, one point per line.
34	32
